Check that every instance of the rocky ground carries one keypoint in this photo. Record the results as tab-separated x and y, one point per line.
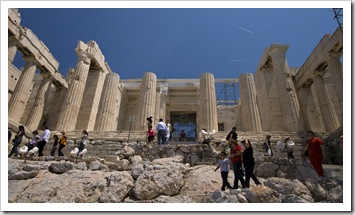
164	180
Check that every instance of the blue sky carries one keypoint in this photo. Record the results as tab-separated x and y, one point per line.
179	43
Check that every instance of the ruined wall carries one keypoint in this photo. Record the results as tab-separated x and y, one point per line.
228	115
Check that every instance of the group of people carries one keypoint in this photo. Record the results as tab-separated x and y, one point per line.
41	141
237	158
164	131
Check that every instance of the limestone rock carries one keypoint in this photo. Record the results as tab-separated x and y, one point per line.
263	194
60	167
317	191
94	165
136	170
136	159
266	170
335	195
123	165
23	175
127	151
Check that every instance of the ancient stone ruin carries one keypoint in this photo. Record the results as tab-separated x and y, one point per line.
275	100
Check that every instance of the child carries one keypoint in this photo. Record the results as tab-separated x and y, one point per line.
62	143
55	144
150	134
224	165
34	141
83	141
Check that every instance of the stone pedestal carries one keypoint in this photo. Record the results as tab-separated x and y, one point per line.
19	98
288	98
208	113
336	72
107	115
38	106
146	100
72	100
249	107
329	116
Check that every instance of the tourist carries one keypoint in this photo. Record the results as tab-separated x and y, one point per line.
289	147
316	153
172	130
43	140
249	163
161	129
17	140
9	135
232	135
150	135
224	166
267	145
55	144
62	143
82	144
150	121
182	136
167	136
205	136
236	158
34	141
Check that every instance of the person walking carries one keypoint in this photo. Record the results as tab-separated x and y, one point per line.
161	129
267	145
249	163
232	135
43	140
236	158
55	145
167	136
9	134
150	135
182	136
62	143
316	153
224	166
17	140
289	148
82	144
34	141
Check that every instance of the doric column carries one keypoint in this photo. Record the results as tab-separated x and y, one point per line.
146	100
38	106
19	98
158	101
329	116
305	96
249	107
72	100
12	49
288	98
107	115
208	102
336	72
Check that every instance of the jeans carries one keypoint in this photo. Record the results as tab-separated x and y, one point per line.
238	175
161	137
53	150
40	146
60	153
14	149
225	181
249	169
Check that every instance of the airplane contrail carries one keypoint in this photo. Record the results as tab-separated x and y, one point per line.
250	32
237	60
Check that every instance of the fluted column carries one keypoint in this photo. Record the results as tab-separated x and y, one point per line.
72	100
336	72
38	106
287	93
158	114
305	96
19	98
110	102
12	49
329	116
250	111
208	102
146	100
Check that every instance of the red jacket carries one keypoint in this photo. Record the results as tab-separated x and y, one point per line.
233	151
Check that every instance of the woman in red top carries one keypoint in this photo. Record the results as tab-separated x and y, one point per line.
315	148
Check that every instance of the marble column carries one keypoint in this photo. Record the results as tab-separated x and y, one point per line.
12	49
329	116
146	100
336	72
158	101
287	93
249	107
305	96
72	100
20	96
208	116
38	106
110	102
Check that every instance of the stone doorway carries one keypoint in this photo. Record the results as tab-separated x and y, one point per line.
182	120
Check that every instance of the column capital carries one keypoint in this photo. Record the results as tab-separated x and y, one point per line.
334	55
12	40
277	48
317	73
84	56
29	59
307	84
